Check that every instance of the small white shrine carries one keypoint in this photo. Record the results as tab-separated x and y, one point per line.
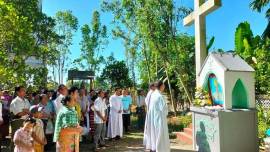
229	80
230	124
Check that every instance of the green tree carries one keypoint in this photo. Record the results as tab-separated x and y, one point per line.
94	38
25	32
259	5
262	67
255	51
150	28
135	47
116	74
66	25
15	37
243	37
43	34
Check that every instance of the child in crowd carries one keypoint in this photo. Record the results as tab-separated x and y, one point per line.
23	137
38	130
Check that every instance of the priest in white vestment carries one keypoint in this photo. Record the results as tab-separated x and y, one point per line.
156	136
115	127
152	88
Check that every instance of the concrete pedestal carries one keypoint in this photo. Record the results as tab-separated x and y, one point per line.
225	130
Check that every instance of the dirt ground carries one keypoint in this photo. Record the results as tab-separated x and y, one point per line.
131	142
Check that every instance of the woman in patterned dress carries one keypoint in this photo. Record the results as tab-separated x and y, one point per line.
67	129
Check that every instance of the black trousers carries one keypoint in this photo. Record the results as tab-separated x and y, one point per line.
141	118
126	121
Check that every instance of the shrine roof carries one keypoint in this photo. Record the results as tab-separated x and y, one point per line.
229	61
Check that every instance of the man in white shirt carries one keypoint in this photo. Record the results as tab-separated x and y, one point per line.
20	106
62	90
115	127
100	119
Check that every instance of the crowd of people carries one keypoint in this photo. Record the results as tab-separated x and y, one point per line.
68	116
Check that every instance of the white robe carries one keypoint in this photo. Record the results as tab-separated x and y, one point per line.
115	127
147	101
156	135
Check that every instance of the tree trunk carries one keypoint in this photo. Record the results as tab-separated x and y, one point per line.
190	99
147	64
45	77
59	71
156	57
170	89
133	72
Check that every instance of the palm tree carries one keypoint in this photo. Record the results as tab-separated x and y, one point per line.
259	5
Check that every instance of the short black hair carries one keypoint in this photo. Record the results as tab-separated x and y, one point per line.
99	91
72	89
18	88
60	87
158	84
117	88
30	119
66	100
34	94
152	84
41	96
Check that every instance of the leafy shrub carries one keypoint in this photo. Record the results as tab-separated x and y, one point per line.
178	123
263	122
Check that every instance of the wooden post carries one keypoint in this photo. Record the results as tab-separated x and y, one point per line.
91	84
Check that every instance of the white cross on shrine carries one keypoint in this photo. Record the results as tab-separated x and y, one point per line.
201	9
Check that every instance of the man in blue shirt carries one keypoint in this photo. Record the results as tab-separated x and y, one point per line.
127	101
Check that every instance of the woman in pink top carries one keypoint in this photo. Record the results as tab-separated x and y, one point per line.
23	137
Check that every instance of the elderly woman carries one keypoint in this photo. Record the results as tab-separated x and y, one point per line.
67	129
